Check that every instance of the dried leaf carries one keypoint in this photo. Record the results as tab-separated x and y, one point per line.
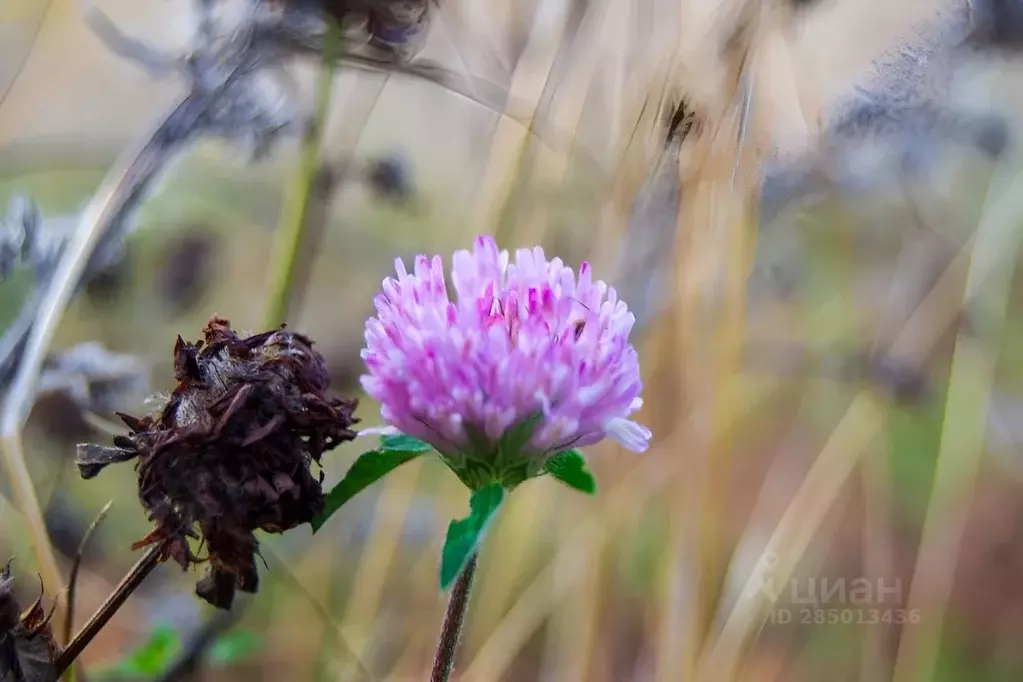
27	648
91	459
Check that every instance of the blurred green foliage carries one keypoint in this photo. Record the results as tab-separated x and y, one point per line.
161	650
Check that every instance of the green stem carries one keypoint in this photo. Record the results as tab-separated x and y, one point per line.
454	618
294	216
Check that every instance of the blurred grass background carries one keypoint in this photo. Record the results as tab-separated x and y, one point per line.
619	587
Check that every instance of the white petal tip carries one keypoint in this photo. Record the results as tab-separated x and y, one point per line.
629	434
379	431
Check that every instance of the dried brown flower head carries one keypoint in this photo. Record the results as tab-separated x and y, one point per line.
231	450
27	648
395	27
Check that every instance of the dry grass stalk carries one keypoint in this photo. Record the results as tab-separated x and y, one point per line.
372	574
508	145
714	243
992	266
878	549
856	431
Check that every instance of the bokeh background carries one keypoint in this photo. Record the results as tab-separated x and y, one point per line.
837	422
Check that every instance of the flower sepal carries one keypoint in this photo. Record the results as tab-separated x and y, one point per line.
507	461
477	474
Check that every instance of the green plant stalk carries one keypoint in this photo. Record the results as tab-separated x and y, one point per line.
454	619
291	230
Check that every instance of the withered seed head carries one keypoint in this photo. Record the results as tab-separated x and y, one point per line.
398	27
231	450
27	648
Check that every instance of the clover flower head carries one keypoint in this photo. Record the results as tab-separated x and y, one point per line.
522	343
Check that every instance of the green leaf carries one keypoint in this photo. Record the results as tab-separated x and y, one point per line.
153	656
234	647
403	443
369	468
569	467
465	535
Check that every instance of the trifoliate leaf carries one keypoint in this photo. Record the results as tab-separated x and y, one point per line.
569	467
403	443
465	535
369	468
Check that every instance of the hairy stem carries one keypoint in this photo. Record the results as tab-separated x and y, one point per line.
454	617
138	573
291	231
